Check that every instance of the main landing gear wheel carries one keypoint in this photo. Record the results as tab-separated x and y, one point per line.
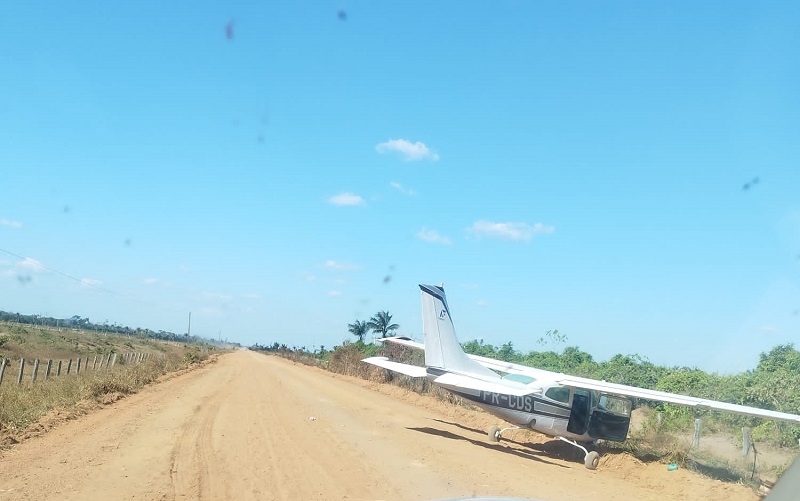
592	460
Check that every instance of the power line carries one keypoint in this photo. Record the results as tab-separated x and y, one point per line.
84	282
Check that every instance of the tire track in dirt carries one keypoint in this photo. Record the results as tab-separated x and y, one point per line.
194	448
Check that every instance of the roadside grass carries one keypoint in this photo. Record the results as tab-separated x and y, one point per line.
669	443
23	405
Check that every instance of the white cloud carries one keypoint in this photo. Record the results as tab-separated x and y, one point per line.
433	237
215	297
308	277
482	304
508	231
336	265
402	189
150	280
346	199
410	152
31	264
334	293
91	282
210	311
11	224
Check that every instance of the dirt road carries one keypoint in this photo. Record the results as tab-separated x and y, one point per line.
259	427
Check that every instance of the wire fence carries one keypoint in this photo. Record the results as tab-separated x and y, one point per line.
36	369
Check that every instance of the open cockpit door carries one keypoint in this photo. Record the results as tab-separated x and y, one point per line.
601	415
610	418
580	412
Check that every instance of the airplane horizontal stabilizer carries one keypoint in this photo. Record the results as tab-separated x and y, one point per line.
460	382
408	370
403	341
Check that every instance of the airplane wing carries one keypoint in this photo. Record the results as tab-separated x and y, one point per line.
617	389
633	391
462	382
408	370
673	398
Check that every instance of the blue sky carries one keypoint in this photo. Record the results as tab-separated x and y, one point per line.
627	173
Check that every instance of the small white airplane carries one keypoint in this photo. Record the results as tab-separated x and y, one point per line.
573	409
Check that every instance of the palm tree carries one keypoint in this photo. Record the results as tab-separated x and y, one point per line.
381	323
359	329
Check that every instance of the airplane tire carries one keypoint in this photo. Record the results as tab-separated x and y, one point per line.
494	434
592	460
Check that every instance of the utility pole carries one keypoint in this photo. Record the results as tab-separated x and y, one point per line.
189	332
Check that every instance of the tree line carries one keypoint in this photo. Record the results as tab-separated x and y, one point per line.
83	323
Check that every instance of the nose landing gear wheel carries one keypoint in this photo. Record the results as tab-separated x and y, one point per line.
592	460
494	434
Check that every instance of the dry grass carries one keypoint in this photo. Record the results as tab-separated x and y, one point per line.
22	405
18	341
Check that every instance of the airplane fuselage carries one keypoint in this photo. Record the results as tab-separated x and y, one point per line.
579	418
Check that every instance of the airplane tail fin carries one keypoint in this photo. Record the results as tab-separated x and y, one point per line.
442	349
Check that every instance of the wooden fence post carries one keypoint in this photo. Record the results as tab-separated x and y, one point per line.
69	365
86	365
21	370
35	370
58	371
94	364
3	365
747	441
49	366
114	360
108	360
696	439
78	366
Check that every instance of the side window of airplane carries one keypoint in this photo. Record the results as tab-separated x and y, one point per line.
617	405
557	393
